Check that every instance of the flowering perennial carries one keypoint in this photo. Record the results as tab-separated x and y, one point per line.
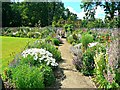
40	55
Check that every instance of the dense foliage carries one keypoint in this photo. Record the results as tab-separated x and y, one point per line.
33	13
24	76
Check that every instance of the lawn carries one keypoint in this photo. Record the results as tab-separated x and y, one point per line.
9	47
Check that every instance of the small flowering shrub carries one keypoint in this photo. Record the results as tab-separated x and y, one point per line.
74	38
39	44
48	39
77	62
68	27
27	69
92	44
40	56
104	78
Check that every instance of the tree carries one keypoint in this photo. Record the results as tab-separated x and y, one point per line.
31	13
110	8
6	16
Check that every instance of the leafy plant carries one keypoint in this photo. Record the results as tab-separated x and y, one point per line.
88	62
49	78
24	76
70	39
86	39
56	41
27	69
68	27
101	71
48	39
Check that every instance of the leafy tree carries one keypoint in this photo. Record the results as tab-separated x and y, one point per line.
110	8
31	13
6	16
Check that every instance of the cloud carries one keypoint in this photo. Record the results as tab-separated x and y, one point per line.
99	12
80	15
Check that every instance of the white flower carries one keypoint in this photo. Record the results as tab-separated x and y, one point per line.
48	62
54	64
35	57
48	53
40	55
92	44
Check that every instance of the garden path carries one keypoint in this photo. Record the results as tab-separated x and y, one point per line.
73	78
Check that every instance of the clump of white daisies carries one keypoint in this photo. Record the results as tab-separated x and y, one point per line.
41	55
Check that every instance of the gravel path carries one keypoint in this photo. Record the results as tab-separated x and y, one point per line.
73	78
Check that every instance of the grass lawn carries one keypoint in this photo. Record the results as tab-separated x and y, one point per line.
9	47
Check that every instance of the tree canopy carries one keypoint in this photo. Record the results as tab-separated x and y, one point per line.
31	13
111	9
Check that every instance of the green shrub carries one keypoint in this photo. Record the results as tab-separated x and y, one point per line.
68	27
117	76
29	60
88	58
56	41
88	62
30	34
75	36
46	32
86	39
70	39
49	78
33	34
48	39
27	69
24	76
65	27
36	34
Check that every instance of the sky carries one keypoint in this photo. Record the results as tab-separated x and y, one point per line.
74	6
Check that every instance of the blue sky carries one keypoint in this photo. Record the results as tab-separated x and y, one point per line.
74	6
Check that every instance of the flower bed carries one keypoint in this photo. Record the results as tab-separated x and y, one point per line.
99	57
34	68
